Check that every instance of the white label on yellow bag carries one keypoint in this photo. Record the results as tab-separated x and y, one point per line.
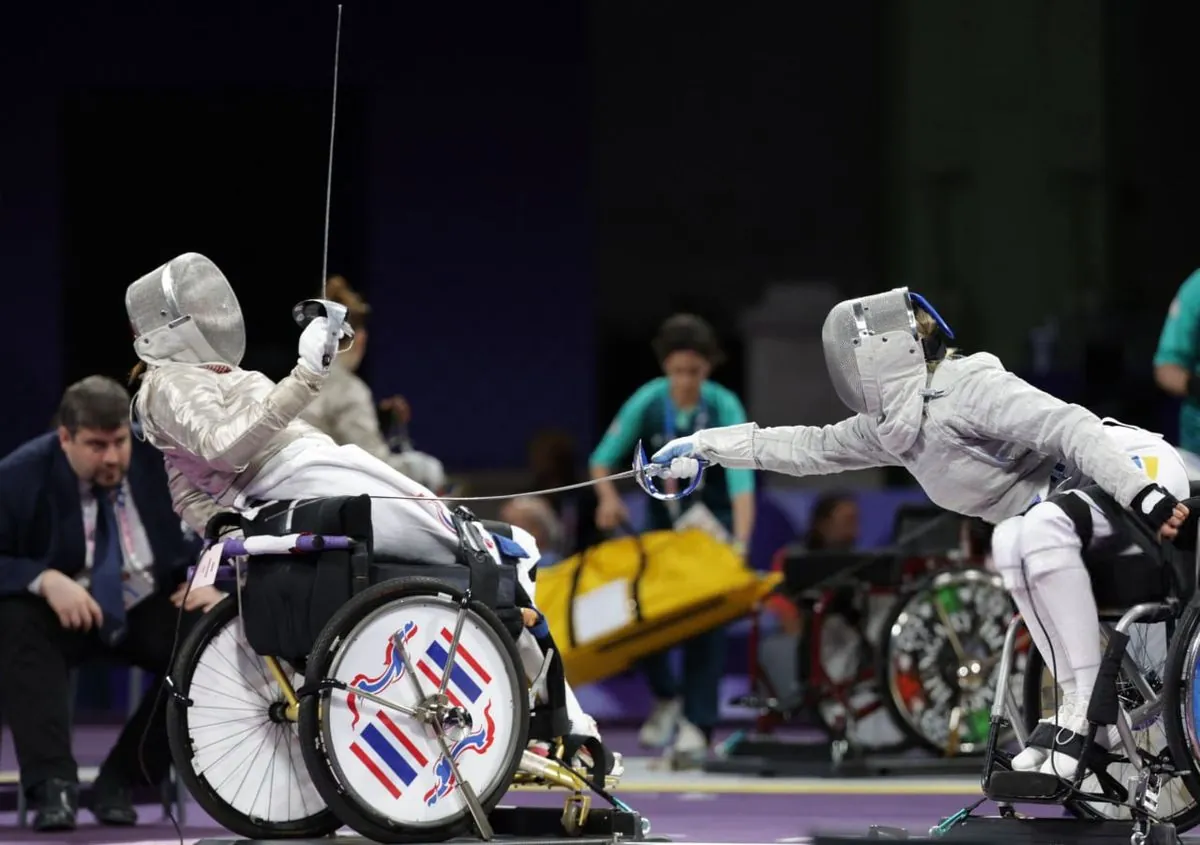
698	516
601	611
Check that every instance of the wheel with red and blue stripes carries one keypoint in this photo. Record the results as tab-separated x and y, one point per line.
404	697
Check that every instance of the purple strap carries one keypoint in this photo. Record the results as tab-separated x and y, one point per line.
306	543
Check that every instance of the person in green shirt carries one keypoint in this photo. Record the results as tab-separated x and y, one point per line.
680	402
1177	361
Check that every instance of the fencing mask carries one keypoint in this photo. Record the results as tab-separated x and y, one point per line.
872	343
186	312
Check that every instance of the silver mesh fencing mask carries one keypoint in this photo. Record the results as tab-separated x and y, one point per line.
871	342
186	312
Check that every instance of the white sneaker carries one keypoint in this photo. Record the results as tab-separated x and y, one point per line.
690	747
1037	748
1067	746
660	727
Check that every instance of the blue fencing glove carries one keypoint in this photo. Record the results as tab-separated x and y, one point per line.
680	458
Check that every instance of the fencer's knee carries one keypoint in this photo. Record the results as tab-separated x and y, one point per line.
1006	552
1047	527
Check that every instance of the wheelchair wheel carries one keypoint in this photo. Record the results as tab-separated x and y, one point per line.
940	659
1181	701
1151	722
845	697
236	753
384	773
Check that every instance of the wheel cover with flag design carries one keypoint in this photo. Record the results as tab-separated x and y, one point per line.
390	761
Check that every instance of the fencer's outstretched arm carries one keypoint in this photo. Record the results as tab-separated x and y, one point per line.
992	403
796	449
176	404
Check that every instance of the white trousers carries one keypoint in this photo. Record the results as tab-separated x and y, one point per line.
405	528
1039	557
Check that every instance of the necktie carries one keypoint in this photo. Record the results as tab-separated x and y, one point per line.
107	564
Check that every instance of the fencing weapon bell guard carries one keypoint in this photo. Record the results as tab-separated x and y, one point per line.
185	311
873	341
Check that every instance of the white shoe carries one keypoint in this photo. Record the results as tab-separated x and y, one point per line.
660	727
691	745
1062	759
1037	748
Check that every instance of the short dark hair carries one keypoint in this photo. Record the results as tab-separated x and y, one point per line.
688	332
97	402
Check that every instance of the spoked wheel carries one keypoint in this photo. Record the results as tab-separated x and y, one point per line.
1145	696
940	660
1181	703
850	700
378	761
231	742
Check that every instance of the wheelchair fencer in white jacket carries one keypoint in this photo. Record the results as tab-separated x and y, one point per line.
981	442
231	437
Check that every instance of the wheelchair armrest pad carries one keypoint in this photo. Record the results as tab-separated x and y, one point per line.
221	522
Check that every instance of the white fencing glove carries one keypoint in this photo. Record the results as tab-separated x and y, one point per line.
317	347
680	457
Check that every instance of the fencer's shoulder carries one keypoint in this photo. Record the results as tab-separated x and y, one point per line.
978	362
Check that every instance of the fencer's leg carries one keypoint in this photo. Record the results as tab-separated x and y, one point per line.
1052	552
1006	557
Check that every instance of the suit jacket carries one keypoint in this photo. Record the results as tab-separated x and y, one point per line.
41	516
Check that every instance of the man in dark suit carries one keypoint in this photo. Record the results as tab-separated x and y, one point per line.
91	562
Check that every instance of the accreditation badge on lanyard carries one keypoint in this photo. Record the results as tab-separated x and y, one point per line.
136	582
701	421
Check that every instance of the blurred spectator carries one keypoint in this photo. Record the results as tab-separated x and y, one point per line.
833	526
92	557
555	463
534	514
681	402
345	408
1176	363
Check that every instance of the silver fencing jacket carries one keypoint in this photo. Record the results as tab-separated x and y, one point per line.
979	440
217	430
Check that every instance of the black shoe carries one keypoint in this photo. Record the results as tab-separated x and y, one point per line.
55	803
112	803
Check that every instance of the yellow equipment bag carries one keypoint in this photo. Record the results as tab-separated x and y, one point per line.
628	598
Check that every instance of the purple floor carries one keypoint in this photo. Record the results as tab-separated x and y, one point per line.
686	817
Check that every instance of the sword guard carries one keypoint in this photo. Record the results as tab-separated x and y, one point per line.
645	472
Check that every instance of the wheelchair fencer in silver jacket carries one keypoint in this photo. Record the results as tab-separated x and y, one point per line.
232	440
981	442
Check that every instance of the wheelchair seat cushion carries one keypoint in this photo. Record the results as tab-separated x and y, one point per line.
288	599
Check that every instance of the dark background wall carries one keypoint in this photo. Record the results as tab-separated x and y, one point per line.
522	190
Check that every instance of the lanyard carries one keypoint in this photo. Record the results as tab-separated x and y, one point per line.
700	421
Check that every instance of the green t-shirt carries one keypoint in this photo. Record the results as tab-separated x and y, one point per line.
651	416
1179	344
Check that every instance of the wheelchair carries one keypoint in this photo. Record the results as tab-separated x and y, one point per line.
1150	623
335	687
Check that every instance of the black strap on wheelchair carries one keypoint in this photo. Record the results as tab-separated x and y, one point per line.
1080	514
549	719
472	548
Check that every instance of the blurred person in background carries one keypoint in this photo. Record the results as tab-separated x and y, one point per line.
345	408
534	514
1177	363
553	459
832	526
92	563
981	442
683	400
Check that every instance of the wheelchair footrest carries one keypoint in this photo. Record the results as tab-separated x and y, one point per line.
1026	788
